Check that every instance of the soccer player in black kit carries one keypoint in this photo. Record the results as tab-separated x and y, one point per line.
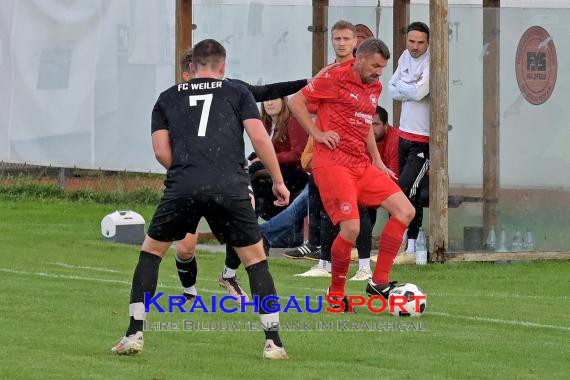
197	133
186	262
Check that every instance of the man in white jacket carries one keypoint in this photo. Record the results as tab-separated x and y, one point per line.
410	85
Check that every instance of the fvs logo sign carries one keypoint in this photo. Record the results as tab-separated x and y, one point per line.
536	65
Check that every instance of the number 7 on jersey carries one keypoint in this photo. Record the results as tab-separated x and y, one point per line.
207	98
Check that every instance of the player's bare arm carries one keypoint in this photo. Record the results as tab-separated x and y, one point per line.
372	147
266	153
161	147
298	106
376	158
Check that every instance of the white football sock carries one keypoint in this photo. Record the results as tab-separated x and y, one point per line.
191	290
136	310
228	272
363	263
269	321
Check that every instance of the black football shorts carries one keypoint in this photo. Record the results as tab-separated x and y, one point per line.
233	221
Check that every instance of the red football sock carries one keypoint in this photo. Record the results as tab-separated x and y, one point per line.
340	253
390	241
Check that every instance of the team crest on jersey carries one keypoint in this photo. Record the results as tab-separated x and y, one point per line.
345	208
373	100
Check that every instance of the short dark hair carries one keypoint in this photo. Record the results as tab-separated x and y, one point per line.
382	114
373	45
418	26
209	53
343	24
186	60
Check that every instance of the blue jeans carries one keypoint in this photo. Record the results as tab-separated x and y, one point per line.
286	228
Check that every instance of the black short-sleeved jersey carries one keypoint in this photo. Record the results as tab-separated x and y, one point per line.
204	118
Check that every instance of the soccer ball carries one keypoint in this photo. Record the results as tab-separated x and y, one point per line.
408	290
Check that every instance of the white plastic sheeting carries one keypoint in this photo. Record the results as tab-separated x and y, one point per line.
80	78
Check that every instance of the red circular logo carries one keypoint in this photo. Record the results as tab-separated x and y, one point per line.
345	208
536	65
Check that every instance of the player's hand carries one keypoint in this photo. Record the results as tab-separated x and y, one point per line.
282	194
380	165
329	138
391	174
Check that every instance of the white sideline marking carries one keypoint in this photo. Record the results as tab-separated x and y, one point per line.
67	277
489	295
499	295
504	321
66	265
121	282
320	290
441	314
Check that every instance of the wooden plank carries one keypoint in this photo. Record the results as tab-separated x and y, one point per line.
507	256
183	32
454	201
319	30
491	112
439	181
401	15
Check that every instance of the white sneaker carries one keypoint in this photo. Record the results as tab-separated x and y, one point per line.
272	351
128	345
362	275
315	271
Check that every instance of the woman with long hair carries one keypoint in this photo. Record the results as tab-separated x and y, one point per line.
289	139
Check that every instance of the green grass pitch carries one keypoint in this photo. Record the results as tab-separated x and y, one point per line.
64	304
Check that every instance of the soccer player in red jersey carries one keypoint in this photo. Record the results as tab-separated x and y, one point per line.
347	166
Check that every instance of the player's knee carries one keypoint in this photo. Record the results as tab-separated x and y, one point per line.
252	254
185	252
405	213
350	232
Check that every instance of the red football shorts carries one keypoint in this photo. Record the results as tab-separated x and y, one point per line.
342	189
